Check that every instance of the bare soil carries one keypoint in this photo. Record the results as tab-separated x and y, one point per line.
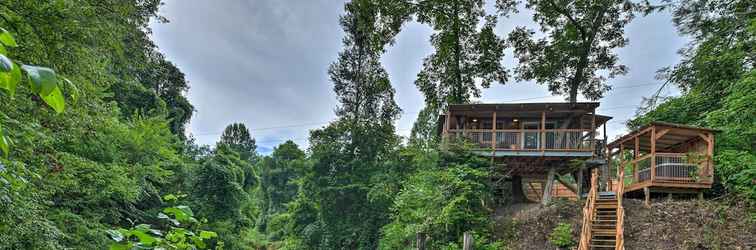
667	224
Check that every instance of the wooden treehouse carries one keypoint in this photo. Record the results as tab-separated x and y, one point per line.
531	144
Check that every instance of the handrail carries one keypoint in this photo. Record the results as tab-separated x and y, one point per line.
590	203
520	130
620	234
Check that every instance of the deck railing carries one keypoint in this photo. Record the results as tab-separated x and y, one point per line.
620	236
528	139
671	167
588	214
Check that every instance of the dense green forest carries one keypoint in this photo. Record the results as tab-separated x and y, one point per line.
93	116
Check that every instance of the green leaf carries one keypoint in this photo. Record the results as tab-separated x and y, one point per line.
170	197
7	39
43	80
120	246
4	143
207	234
9	80
3	51
115	235
72	90
5	63
145	238
55	100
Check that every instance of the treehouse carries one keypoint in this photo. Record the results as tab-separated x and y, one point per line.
534	141
664	158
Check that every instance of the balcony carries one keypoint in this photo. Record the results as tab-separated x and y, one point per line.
577	142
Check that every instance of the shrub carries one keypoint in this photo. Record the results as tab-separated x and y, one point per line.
562	236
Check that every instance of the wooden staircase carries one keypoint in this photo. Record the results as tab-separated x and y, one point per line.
604	226
603	219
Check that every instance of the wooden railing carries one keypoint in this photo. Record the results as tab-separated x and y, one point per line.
620	237
527	139
588	215
671	167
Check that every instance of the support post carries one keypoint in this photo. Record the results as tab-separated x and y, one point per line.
543	131
493	134
467	242
653	154
549	185
647	196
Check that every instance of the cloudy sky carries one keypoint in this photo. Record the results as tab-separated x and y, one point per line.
264	62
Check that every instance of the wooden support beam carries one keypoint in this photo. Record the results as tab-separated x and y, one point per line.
647	196
661	133
549	185
493	134
653	154
543	131
568	185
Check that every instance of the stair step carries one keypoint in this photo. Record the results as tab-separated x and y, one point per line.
602	246
605	240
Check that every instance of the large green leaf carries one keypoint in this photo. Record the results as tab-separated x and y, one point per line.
9	80
42	80
6	38
55	100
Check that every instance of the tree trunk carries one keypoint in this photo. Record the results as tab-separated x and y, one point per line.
549	185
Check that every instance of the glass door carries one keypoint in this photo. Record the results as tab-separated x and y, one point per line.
531	135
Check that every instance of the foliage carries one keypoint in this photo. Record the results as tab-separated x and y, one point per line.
467	52
719	85
562	236
578	46
183	231
237	137
444	198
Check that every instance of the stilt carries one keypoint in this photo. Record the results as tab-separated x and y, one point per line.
700	195
579	181
669	196
647	195
549	185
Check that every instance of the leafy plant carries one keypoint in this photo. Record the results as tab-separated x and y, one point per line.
183	231
43	82
562	236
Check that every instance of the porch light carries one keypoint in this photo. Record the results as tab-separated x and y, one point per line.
475	120
515	120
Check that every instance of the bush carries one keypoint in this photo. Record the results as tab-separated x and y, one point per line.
562	236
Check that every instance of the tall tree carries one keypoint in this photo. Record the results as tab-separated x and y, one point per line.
237	137
465	56
349	151
576	55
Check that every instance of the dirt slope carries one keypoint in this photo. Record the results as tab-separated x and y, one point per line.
676	224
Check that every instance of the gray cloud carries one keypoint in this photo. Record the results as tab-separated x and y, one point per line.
264	63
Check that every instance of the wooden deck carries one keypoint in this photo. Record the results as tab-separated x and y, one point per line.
666	158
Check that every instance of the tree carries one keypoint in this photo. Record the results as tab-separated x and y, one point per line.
350	150
577	52
278	175
236	136
464	55
716	75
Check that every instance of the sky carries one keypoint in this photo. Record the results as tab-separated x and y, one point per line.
264	63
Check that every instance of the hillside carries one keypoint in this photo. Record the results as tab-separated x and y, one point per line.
667	224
